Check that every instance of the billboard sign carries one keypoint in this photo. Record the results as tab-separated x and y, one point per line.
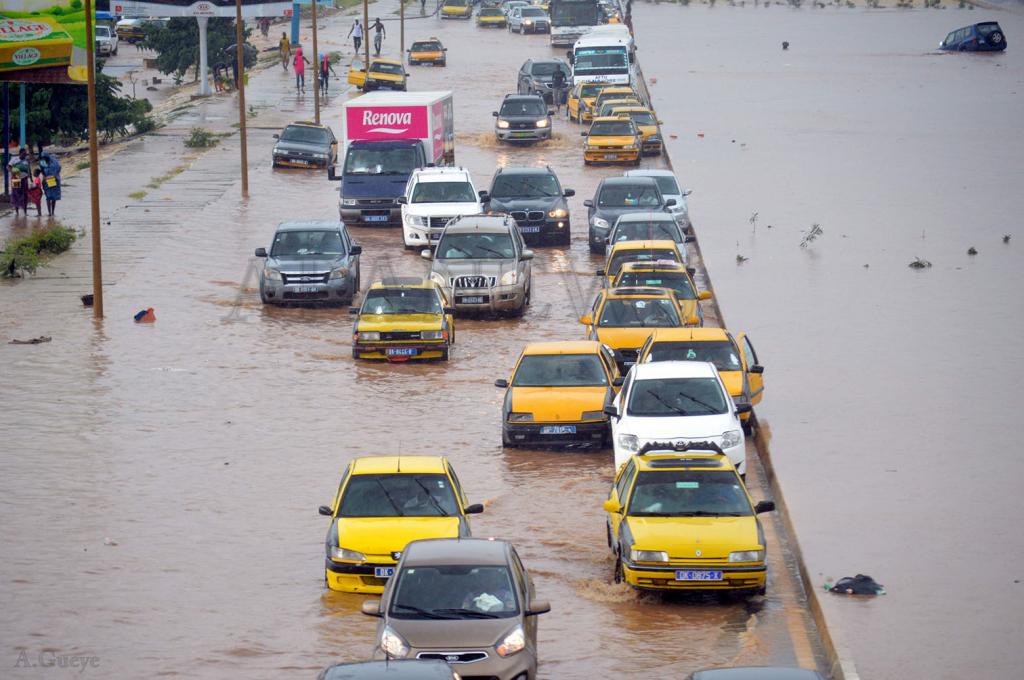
387	122
43	41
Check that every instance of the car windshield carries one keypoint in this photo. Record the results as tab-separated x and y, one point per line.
454	592
426	47
720	352
443	192
638	313
574	13
653	230
305	134
102	31
612	128
455	3
386	67
642	117
312	243
560	370
478	246
380	161
599	58
398	495
629	196
534	12
677	397
546	68
688	493
401	301
647	255
591	89
525	186
491	12
677	282
523	107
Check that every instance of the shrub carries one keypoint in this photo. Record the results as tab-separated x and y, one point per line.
22	255
201	138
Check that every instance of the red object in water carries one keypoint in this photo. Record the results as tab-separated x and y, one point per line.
700	135
145	316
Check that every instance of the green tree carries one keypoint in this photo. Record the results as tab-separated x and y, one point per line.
177	44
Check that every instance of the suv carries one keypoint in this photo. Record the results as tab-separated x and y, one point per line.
434	196
617	196
535	200
535	76
529	19
106	40
984	37
522	118
310	261
484	264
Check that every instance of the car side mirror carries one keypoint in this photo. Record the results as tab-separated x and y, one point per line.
612	505
538	607
401	200
687	192
586	320
588	203
691	270
372	608
526	255
764	506
261	252
611	410
670	202
704	295
600	272
325	511
757	368
427	254
474	509
355	250
743	408
444	49
501	382
617	382
569	192
277	136
584	133
494	113
690	239
484	196
449	310
353	310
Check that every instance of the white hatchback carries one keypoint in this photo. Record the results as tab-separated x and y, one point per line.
677	402
432	197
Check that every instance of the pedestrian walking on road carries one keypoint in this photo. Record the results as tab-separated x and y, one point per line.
20	178
356	33
325	72
300	69
51	181
265	26
286	50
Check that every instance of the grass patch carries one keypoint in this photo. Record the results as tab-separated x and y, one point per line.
25	255
137	195
170	174
201	138
82	165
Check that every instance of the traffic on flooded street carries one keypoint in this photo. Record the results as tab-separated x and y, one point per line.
449	395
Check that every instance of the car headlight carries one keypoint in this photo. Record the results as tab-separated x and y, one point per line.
368	336
415	221
510	278
339	273
542	123
528	21
392	644
433	335
271	274
559	213
514	642
347	555
747	556
630	442
731	438
503	124
349	201
599	222
593	415
520	417
648	555
631	147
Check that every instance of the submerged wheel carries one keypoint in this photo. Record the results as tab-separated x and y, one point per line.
617	575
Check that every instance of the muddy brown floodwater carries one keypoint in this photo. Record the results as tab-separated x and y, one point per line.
160	482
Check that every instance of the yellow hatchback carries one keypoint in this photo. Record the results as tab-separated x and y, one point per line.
428	51
580	104
557	394
383	503
382	74
647	124
612	140
457	9
623	252
682	519
401	319
491	17
623	318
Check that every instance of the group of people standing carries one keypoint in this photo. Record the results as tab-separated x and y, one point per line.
30	185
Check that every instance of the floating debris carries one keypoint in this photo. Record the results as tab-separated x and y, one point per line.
32	341
1006	238
919	263
785	44
972	251
814	232
740	259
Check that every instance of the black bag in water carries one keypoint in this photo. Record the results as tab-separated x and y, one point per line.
857	585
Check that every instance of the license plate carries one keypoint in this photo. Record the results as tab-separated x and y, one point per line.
383	572
698	575
375	218
521	134
308	289
402	351
529	230
558	429
472	299
299	162
611	156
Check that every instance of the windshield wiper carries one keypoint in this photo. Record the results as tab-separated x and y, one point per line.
388	495
428	613
471	613
667	405
494	252
711	409
706	513
433	501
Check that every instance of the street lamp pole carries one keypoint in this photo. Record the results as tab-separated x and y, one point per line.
366	36
94	170
316	70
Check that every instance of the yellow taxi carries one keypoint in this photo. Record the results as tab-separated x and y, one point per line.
580	103
623	318
734	357
382	74
609	105
622	252
612	140
650	132
680	518
671	275
428	51
610	92
491	17
457	9
401	319
383	503
557	394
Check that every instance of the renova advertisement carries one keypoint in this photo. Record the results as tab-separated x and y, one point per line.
43	41
387	122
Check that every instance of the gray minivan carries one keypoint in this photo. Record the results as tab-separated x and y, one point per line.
310	261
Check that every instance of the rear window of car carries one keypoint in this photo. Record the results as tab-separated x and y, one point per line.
491	12
985	29
426	47
650	255
676	282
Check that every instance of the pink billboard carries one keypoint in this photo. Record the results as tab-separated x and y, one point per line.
387	122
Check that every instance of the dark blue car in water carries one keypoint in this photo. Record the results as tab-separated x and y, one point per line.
983	37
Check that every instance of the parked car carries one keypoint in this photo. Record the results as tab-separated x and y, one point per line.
529	19
404	669
522	118
484	264
470	602
305	144
616	196
536	201
622	252
986	36
310	261
670	190
432	198
535	76
106	40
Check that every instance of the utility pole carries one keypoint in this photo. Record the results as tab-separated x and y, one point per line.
401	21
366	36
94	170
240	56
316	70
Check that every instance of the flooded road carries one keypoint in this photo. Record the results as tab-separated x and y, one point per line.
892	396
160	482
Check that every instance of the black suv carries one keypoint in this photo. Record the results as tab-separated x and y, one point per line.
617	196
535	76
535	200
522	118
